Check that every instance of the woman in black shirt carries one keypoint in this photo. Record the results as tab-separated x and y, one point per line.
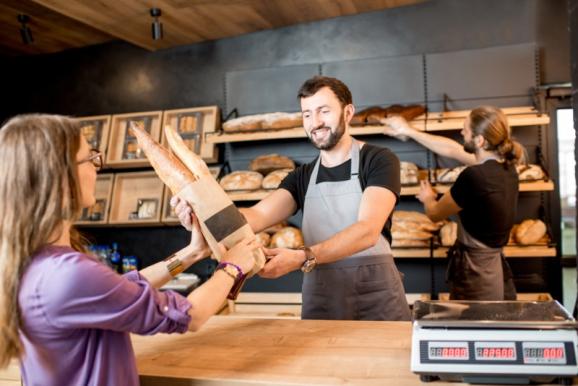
484	196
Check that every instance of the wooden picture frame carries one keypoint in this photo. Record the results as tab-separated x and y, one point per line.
96	130
132	191
98	213
193	124
123	150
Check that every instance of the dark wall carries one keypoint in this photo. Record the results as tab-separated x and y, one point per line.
573	20
118	78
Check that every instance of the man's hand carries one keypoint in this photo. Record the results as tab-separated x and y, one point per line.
183	211
396	126
426	192
281	261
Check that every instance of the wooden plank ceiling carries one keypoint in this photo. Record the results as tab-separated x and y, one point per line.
57	25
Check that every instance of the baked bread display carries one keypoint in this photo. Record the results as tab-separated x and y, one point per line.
288	237
408	173
412	229
406	243
448	176
242	180
268	121
530	172
530	231
375	114
449	234
274	179
267	163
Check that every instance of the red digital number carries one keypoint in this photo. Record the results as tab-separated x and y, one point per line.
510	353
445	352
463	352
559	353
485	352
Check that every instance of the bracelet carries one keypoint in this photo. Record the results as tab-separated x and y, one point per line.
175	265
232	270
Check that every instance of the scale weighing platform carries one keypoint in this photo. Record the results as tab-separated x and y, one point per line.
502	342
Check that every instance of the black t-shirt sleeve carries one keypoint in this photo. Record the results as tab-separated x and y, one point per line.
296	183
381	168
463	188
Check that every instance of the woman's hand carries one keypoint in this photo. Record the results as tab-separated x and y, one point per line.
396	126
426	192
183	211
242	254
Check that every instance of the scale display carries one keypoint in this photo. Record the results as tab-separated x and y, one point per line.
494	342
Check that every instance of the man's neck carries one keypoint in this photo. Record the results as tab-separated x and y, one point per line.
339	153
483	155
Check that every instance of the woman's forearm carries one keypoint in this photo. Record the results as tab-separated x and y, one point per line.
158	274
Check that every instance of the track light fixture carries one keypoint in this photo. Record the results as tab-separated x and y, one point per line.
25	32
157	26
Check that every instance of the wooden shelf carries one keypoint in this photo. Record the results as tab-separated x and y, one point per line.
538	186
509	251
452	120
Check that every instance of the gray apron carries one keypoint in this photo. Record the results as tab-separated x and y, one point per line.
364	286
478	272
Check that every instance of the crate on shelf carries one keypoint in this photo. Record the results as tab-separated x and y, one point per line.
96	131
98	213
194	124
123	150
136	199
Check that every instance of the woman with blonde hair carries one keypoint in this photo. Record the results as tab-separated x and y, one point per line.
484	196
63	314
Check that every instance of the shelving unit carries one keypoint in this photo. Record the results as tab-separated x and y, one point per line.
452	120
136	200
509	251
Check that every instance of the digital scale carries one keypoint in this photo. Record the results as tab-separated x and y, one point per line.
494	342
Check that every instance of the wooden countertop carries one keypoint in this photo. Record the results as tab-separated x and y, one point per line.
230	350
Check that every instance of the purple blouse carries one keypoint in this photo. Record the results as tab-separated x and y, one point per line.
77	315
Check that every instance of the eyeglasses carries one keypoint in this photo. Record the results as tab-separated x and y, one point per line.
95	158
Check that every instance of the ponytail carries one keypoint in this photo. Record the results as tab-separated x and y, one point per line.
511	151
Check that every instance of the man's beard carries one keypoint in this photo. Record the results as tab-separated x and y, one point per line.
334	136
470	147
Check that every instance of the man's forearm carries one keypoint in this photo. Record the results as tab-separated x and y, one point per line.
349	241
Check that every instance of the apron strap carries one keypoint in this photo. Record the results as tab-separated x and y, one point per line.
354	154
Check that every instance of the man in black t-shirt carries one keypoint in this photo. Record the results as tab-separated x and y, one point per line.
485	197
347	196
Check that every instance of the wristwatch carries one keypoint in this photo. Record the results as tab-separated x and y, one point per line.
232	270
310	260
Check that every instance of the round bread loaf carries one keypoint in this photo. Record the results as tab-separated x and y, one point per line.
276	228
288	237
408	173
273	179
267	163
263	238
530	172
242	180
530	231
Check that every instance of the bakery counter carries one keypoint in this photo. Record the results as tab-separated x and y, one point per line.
242	351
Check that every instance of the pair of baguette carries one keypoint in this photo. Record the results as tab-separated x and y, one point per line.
188	177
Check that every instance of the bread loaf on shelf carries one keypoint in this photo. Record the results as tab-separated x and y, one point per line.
268	121
408	173
242	180
274	179
375	114
288	237
448	176
530	172
530	231
267	163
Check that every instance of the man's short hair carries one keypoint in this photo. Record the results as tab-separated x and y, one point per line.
312	85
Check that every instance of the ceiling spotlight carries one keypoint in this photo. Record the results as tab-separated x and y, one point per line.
25	32
157	26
